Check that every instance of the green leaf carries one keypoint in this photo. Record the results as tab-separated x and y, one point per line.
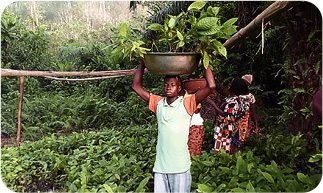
207	23
249	187
299	90
297	77
302	177
228	28
226	170
268	177
107	188
238	190
315	158
311	35
137	49
206	59
286	148
142	184
204	188
156	27
72	188
179	35
317	67
228	31
287	170
209	32
123	30
220	48
215	10
230	22
219	188
171	23
207	163
249	167
196	6
241	164
180	44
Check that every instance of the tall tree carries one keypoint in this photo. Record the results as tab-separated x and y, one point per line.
33	12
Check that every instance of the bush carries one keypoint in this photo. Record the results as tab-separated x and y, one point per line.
246	172
113	159
287	150
121	159
59	112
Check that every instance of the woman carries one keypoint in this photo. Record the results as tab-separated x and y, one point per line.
234	108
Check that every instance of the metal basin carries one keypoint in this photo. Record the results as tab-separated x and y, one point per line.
172	63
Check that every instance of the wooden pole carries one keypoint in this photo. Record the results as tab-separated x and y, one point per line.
116	73
9	72
256	25
19	109
85	79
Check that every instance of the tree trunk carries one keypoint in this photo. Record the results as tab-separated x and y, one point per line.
35	12
20	109
256	25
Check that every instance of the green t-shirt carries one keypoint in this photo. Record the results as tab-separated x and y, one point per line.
173	129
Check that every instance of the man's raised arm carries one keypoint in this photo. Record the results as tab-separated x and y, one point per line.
137	82
201	94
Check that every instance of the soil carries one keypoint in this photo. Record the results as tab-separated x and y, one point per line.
7	141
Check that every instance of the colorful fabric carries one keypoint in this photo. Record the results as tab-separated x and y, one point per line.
249	99
195	139
248	78
235	127
243	126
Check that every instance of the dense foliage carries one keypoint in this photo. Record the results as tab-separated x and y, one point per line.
121	159
100	136
111	159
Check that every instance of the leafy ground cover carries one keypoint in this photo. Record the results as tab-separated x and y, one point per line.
121	160
110	160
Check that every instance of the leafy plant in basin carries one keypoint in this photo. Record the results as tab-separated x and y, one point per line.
197	30
126	44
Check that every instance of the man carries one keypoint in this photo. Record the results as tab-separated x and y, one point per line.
172	164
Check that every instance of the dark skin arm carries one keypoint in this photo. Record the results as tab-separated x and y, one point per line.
253	116
252	112
217	109
137	82
222	91
201	94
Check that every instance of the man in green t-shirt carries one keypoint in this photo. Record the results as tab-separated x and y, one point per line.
172	164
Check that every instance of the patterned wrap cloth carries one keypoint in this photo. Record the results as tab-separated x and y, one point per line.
195	139
233	129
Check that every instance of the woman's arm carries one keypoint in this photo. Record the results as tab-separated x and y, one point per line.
222	91
137	82
217	109
253	117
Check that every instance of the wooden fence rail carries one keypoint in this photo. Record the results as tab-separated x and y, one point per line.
53	75
9	73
